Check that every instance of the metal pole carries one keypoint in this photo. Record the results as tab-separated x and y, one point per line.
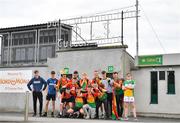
107	29
26	106
91	31
122	33
1	42
59	31
137	29
76	33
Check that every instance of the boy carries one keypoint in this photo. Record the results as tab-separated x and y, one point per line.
128	87
39	85
51	94
90	107
77	111
118	93
62	88
107	82
84	82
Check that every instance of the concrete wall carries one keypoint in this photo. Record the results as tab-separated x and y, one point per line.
88	60
168	105
83	60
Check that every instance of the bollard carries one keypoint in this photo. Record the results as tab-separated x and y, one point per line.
26	109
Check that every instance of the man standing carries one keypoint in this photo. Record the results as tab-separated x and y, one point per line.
117	84
38	85
51	95
96	81
76	77
107	82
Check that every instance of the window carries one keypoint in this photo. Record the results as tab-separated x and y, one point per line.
161	75
5	43
171	82
154	87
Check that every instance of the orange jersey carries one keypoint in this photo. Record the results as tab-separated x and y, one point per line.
62	82
84	83
96	81
72	86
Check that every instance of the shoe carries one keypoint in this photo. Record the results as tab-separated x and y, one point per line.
87	117
96	117
40	115
52	114
70	115
135	119
59	116
45	114
124	119
34	115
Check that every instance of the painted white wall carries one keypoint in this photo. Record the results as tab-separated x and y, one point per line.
167	104
16	101
88	60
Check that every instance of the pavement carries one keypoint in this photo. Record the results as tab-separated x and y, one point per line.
19	118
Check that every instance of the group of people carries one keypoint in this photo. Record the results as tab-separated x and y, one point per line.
101	97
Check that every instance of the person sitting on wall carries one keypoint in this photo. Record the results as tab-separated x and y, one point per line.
51	94
38	85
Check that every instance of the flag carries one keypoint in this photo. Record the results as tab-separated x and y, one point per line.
114	107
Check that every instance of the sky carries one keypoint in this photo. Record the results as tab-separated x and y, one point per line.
159	22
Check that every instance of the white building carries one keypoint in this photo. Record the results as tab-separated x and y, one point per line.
157	90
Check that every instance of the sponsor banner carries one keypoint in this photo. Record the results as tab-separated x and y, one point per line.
14	80
150	60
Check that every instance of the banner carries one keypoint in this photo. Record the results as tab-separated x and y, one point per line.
14	80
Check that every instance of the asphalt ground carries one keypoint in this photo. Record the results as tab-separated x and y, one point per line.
19	118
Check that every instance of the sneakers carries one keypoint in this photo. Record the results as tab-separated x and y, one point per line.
45	114
52	114
34	115
124	119
135	119
87	117
59	115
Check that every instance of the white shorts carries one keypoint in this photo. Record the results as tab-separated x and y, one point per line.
129	99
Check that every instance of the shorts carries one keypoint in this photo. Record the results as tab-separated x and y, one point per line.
128	99
77	108
71	99
51	97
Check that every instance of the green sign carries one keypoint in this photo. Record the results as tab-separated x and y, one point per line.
150	60
110	69
66	70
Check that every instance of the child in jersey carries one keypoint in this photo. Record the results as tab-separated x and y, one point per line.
90	107
62	88
128	87
84	82
77	110
70	94
51	94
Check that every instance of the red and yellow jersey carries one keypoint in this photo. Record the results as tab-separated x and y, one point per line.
91	99
96	81
62	82
72	86
66	95
84	83
79	101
